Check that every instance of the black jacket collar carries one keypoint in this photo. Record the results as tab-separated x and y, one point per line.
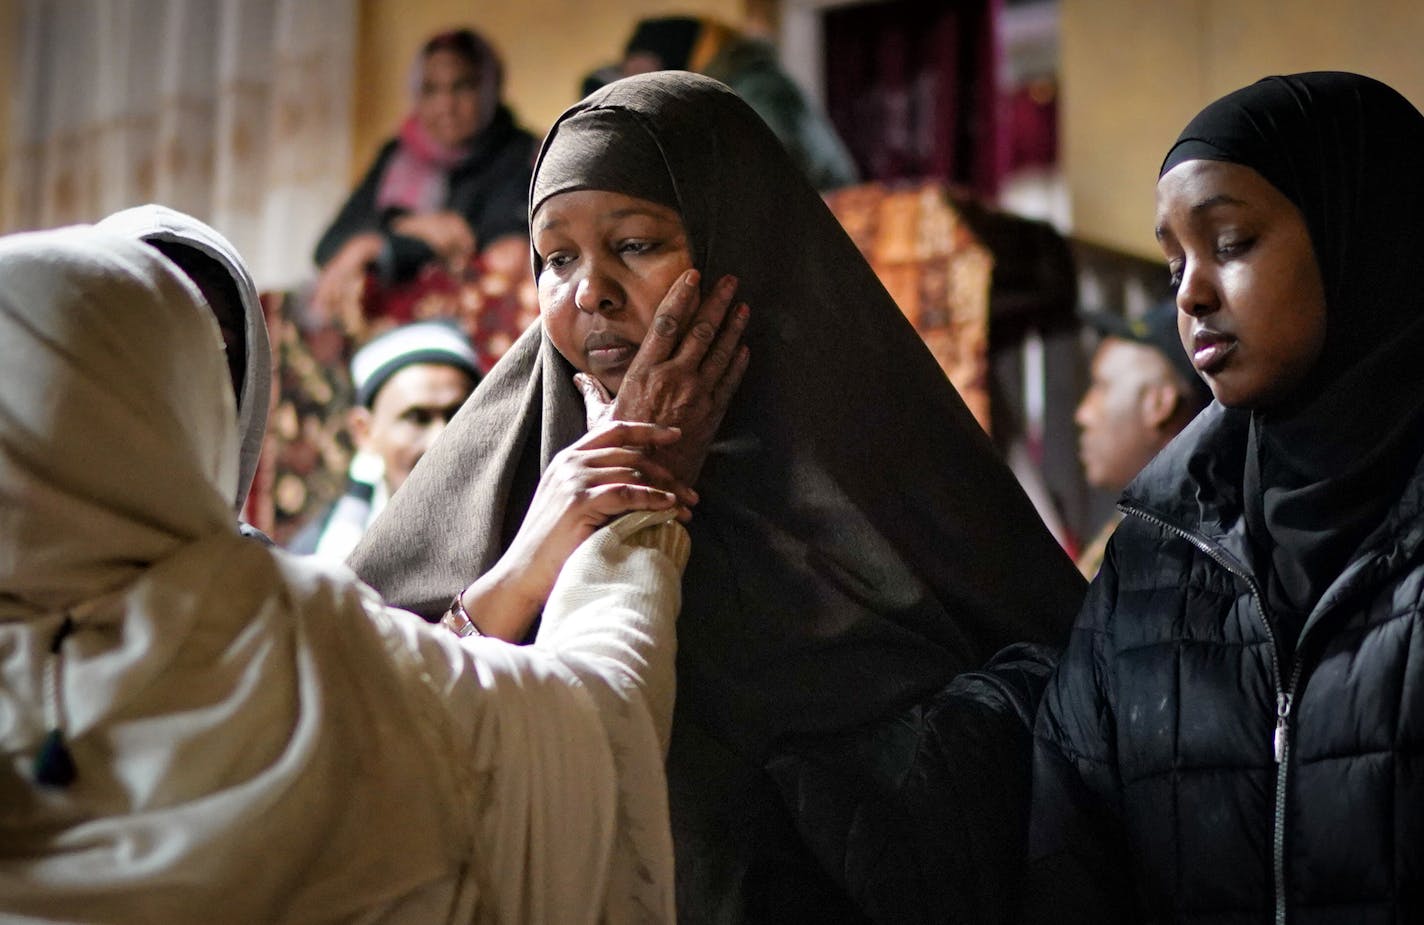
1194	485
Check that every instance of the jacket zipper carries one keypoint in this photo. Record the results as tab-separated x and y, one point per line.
1280	739
1282	749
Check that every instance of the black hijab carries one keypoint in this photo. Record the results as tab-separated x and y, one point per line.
859	542
1324	467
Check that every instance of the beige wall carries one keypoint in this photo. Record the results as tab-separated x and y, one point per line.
1134	72
547	45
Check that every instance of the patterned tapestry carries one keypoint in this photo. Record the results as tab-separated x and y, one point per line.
935	269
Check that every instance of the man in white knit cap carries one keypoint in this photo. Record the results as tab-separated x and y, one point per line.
409	383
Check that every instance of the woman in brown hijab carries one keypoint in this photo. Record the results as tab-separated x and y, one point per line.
859	549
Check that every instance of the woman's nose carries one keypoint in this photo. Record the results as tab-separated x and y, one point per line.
597	293
1196	293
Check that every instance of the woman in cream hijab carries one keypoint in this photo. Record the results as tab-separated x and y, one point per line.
196	726
222	277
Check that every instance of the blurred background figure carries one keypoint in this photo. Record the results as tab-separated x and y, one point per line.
217	269
599	77
749	66
452	185
409	384
1142	392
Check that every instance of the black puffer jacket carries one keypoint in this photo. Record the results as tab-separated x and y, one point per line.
1185	770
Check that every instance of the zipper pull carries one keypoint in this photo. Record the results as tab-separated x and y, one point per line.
1278	741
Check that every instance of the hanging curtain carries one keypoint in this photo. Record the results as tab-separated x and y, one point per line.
235	111
912	87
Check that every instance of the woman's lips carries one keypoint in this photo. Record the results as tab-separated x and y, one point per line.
608	351
1210	350
608	357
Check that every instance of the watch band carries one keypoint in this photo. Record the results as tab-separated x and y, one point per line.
457	618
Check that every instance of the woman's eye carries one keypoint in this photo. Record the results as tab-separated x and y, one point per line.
557	261
1174	277
636	247
1234	248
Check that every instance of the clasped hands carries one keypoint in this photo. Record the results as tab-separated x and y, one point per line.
343	276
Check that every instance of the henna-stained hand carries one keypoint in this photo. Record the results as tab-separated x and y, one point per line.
687	369
604	475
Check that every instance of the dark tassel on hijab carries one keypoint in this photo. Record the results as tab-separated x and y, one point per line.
54	765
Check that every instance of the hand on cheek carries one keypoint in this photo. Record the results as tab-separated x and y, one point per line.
687	369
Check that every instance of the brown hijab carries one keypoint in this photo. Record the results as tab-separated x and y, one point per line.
859	542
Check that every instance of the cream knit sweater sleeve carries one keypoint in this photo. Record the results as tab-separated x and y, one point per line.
554	751
611	619
615	605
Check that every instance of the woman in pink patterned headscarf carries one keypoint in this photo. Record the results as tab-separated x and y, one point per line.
452	183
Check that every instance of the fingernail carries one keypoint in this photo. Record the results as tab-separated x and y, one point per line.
729	282
693	496
689	279
743	311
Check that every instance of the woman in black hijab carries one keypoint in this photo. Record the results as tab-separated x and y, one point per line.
1235	729
858	545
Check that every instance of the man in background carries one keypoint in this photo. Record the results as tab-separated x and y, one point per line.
1143	391
409	384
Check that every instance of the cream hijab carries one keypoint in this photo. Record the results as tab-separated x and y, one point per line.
256	738
157	224
112	456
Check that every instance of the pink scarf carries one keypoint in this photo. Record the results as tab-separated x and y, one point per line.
418	176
